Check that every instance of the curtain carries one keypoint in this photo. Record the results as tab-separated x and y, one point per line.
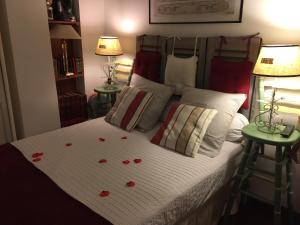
7	125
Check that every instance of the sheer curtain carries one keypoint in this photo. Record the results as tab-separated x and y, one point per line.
7	125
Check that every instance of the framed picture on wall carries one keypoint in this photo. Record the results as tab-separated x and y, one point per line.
195	11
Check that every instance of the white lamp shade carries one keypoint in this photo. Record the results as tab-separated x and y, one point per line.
278	61
108	46
60	31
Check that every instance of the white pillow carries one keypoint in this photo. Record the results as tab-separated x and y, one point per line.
173	99
181	72
227	106
161	95
235	130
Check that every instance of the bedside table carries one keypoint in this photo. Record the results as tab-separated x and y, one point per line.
110	97
254	149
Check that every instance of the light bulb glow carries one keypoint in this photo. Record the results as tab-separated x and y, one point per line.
128	26
284	14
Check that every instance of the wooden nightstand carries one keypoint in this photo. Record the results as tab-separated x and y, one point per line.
109	98
255	149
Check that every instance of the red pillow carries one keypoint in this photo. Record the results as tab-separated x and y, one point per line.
147	65
231	77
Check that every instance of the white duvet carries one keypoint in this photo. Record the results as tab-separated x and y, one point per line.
167	185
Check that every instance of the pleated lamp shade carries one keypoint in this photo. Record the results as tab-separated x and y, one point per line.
108	46
278	61
61	31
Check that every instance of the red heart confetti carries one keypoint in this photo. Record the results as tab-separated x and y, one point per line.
104	193
124	137
36	159
37	154
126	162
102	161
130	184
68	144
137	161
101	139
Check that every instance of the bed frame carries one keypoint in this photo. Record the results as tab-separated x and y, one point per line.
233	49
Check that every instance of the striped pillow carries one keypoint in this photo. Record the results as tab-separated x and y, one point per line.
129	107
184	128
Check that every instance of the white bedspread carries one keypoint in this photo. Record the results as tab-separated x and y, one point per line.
167	185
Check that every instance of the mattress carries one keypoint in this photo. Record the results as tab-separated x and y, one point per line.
168	185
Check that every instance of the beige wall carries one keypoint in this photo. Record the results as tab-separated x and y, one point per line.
24	26
278	22
92	26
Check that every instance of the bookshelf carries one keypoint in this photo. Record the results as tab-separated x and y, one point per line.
77	23
67	57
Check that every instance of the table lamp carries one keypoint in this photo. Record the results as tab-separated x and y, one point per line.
64	32
277	61
110	47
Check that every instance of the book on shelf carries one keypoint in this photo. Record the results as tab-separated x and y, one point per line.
75	66
79	65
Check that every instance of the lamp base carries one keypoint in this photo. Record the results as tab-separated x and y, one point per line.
269	128
110	85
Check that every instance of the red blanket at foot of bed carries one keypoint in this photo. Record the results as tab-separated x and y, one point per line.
29	197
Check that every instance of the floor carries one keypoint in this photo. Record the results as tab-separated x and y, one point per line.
257	213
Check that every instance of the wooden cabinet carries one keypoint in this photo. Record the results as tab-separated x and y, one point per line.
67	62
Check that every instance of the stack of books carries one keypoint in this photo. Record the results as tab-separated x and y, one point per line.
72	108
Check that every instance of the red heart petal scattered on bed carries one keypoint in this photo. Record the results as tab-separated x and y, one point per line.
68	144
126	162
102	161
36	159
104	193
101	139
130	184
37	154
137	161
124	137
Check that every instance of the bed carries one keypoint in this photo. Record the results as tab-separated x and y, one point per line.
96	173
168	185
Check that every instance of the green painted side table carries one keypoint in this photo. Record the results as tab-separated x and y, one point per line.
110	97
255	149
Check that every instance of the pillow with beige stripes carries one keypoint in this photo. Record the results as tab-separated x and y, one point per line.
184	128
129	107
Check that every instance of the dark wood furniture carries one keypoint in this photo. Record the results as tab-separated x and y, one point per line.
70	89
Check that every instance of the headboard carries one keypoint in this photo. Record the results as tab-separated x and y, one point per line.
228	48
152	44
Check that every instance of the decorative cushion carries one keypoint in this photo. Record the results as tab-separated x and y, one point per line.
184	128
147	65
161	95
227	106
231	77
129	107
172	100
181	72
235	130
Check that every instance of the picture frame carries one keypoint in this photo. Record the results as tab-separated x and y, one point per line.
195	11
